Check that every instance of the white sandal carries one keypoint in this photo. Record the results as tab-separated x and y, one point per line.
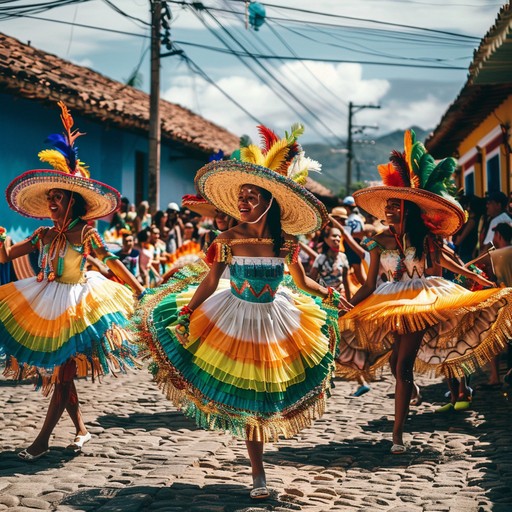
79	442
259	493
24	455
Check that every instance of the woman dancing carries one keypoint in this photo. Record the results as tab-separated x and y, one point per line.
66	322
253	356
429	323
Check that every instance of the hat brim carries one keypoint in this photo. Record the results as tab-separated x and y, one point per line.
26	194
202	208
448	216
220	181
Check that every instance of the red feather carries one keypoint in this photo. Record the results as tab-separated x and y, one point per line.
268	138
390	176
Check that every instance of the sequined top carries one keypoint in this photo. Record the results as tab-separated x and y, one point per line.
253	278
394	266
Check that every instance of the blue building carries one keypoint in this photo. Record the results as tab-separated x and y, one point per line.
115	118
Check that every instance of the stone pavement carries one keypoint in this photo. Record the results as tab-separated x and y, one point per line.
145	456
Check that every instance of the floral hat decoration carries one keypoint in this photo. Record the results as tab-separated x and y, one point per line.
280	167
414	176
26	194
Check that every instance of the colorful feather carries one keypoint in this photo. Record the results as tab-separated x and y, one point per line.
55	158
252	154
302	164
409	140
390	177
401	167
268	138
277	155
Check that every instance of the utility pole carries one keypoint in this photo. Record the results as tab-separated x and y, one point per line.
352	110
154	110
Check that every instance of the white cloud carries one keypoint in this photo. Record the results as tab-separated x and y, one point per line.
344	80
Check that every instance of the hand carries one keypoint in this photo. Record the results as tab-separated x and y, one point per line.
484	282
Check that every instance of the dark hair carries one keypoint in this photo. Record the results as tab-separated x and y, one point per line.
143	236
274	222
505	230
79	207
415	227
498	197
157	218
323	235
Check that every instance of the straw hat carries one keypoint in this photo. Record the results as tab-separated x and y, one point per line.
280	167
198	205
26	194
339	211
414	176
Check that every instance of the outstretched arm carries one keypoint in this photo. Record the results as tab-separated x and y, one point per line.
454	267
10	252
308	285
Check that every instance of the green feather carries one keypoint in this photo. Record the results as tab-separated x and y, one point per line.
442	171
427	166
297	130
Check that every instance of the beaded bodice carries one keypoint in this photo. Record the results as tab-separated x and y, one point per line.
256	279
72	267
409	267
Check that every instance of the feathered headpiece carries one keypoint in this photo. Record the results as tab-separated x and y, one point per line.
27	193
278	166
413	175
65	155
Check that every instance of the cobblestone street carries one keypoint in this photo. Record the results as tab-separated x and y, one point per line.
145	456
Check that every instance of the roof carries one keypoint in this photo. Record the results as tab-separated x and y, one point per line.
31	73
488	85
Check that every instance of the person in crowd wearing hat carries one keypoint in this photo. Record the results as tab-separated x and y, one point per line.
427	322
65	322
254	357
496	207
175	225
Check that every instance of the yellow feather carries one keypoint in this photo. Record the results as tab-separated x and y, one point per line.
54	158
276	155
252	154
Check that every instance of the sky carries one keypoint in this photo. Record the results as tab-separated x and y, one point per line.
409	58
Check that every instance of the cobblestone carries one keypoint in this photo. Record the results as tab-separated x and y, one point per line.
145	456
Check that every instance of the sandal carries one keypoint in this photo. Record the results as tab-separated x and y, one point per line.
28	457
445	408
79	442
398	449
259	493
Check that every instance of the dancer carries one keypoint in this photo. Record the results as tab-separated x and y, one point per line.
254	357
66	322
422	318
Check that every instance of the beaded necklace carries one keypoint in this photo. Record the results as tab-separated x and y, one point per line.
56	249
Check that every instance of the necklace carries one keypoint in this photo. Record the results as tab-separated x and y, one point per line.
55	250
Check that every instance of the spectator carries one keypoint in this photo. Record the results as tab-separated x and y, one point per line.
175	225
354	226
128	255
143	218
466	239
496	207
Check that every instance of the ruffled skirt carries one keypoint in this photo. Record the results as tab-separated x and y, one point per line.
259	370
44	324
463	330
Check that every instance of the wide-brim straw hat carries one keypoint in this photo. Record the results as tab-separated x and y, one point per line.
26	194
199	205
219	183
443	216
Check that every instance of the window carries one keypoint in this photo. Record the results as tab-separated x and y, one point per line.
469	182
493	173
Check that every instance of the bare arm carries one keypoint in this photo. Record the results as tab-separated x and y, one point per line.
11	252
208	285
308	285
452	266
371	281
119	270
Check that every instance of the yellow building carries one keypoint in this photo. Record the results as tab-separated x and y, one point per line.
477	127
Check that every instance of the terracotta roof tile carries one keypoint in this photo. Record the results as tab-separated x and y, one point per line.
32	73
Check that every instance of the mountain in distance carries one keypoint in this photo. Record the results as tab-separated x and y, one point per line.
364	163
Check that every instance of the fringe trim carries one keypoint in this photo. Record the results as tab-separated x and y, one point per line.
242	424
